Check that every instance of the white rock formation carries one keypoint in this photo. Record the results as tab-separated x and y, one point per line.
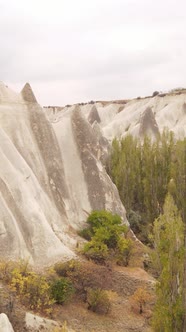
169	112
35	323
141	116
51	171
51	177
5	325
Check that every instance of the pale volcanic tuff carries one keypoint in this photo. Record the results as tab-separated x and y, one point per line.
51	178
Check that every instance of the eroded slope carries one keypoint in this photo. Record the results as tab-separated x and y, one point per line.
51	177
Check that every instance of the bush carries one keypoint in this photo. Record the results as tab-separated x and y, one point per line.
86	233
85	275
139	299
123	251
98	301
32	288
97	251
62	290
108	224
6	268
65	269
107	238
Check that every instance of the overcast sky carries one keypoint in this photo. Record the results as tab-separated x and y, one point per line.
78	50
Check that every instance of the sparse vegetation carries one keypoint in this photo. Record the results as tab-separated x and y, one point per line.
85	276
67	269
32	289
93	286
36	291
40	292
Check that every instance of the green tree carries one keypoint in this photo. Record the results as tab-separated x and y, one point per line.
124	169
142	173
169	257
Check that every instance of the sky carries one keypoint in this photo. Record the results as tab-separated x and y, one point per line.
80	50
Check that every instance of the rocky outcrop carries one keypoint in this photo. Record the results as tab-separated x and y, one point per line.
34	323
148	124
51	166
5	325
94	116
51	178
28	94
82	150
142	115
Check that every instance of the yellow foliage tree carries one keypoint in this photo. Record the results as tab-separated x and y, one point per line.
140	298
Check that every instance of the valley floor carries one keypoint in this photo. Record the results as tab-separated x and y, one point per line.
121	318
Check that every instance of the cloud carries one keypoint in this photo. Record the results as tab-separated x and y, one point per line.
80	50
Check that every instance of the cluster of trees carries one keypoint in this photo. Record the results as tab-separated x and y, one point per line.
144	173
151	179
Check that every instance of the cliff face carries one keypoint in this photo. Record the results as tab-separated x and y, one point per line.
51	171
51	177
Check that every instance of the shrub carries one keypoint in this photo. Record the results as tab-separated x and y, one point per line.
98	301
86	233
123	251
106	231
32	288
6	268
97	251
111	223
65	269
62	290
139	299
85	275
